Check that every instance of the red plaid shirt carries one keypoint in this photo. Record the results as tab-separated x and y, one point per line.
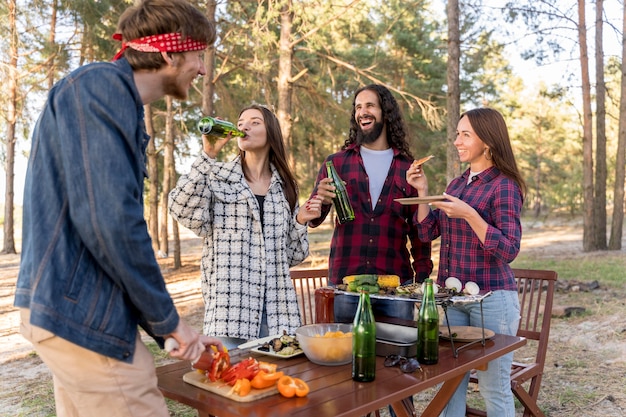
376	241
499	202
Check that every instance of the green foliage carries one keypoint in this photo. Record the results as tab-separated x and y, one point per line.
338	47
607	270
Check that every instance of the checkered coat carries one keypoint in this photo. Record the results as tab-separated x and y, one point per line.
244	267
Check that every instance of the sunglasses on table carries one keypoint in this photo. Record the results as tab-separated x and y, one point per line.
407	365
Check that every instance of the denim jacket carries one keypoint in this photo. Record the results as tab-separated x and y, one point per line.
88	272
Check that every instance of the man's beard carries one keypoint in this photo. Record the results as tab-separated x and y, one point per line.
370	137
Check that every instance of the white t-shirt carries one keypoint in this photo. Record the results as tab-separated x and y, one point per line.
472	175
377	164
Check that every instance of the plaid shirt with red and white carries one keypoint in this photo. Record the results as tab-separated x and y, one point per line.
498	200
375	242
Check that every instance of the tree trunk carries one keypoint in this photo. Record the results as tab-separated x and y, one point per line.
175	231
599	209
208	84
588	221
168	162
9	194
538	203
153	180
51	42
615	242
453	164
284	78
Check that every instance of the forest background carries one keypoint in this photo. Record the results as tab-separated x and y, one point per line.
305	59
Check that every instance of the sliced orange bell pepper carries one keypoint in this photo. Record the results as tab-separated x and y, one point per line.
288	387
242	387
267	367
264	379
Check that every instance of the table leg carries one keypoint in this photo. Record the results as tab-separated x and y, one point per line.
404	408
438	403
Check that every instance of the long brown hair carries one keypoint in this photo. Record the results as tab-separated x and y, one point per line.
491	128
278	155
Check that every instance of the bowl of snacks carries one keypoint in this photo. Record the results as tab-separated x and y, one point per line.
326	343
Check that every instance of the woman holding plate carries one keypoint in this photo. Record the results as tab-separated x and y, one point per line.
480	229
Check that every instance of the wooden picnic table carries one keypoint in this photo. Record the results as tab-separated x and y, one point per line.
333	392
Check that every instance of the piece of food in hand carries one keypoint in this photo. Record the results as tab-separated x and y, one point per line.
421	161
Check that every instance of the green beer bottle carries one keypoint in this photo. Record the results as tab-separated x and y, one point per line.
428	327
343	208
364	341
218	128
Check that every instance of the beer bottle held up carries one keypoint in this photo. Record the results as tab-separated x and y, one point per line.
218	128
364	341
342	204
428	327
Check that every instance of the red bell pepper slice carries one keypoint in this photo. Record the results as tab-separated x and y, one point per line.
220	364
247	368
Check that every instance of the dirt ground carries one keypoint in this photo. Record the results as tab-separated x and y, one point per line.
585	373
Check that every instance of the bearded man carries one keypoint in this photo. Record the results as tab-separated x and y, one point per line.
373	164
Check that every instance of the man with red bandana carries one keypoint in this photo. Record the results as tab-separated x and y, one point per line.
88	276
373	163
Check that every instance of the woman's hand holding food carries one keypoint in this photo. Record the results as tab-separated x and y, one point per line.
416	177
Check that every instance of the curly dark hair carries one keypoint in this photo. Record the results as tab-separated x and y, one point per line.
396	129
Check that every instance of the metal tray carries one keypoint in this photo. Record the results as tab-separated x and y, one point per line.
393	339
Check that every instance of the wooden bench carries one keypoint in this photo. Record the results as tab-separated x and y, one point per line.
536	294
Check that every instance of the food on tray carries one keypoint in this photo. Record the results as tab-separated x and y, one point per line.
471	288
454	283
371	283
285	345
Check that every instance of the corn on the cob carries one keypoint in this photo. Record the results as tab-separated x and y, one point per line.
361	279
392	281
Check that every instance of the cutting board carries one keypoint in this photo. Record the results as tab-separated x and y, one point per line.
197	379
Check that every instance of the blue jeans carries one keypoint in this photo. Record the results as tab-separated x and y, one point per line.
501	312
232	342
346	305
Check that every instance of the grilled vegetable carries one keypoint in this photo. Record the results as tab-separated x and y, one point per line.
388	281
362	279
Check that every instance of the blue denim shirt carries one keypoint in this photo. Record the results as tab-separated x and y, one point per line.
88	272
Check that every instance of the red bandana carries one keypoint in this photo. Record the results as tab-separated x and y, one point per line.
169	42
